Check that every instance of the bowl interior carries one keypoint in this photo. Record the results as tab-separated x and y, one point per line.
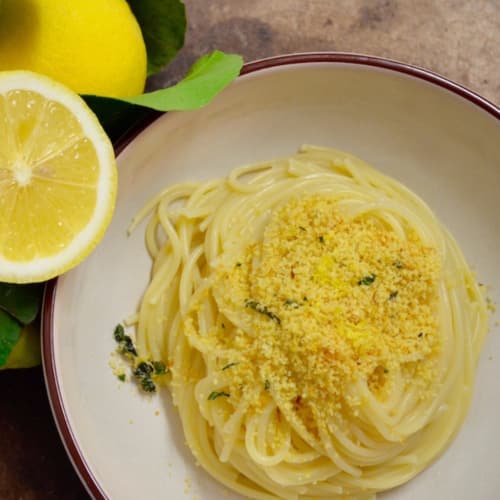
439	144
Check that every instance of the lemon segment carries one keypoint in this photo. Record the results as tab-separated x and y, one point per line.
57	178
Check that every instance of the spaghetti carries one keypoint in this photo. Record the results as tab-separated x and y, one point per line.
320	326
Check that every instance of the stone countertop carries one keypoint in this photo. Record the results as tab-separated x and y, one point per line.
459	39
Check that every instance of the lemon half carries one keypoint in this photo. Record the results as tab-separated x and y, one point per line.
57	178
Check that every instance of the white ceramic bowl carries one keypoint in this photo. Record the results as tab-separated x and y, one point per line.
438	138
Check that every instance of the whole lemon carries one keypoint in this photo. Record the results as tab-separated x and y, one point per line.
92	46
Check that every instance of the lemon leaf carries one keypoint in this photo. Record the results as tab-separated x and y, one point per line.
163	26
19	346
21	301
117	117
206	78
26	352
10	331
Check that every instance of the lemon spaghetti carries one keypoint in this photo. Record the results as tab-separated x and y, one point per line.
320	326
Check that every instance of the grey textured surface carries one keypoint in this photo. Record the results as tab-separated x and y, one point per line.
459	39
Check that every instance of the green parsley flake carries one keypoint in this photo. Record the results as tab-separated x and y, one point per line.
215	394
367	280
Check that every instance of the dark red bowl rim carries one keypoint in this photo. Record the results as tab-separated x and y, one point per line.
50	369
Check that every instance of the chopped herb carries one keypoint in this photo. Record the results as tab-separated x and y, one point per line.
230	365
302	228
125	344
267	385
321	239
367	280
223	326
215	394
262	309
159	367
252	304
398	264
119	333
421	334
393	295
143	369
128	346
148	385
143	373
291	303
386	370
238	264
304	299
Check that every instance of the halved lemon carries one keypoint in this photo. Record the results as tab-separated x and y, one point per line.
57	178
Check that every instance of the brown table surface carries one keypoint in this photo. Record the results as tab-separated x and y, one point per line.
458	38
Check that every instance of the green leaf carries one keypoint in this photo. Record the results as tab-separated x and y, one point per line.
21	301
26	352
207	77
10	331
116	117
163	26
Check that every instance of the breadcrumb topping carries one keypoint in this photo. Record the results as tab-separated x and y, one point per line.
326	300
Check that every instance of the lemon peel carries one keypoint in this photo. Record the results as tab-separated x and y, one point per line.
92	46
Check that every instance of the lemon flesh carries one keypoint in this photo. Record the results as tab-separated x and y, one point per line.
57	178
91	46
